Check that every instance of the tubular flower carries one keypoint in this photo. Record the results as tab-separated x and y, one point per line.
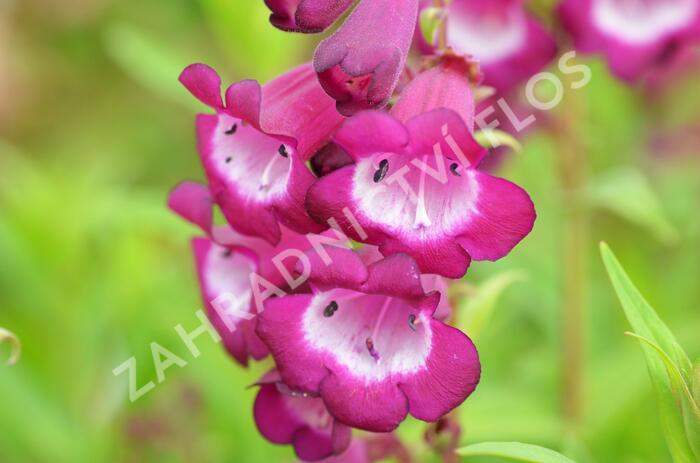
636	36
360	64
285	416
225	262
415	188
367	343
305	15
510	45
254	148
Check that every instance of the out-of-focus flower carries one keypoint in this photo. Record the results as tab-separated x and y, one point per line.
255	146
360	64
366	341
285	416
510	45
415	189
636	36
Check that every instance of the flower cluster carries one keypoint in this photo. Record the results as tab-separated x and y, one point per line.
358	147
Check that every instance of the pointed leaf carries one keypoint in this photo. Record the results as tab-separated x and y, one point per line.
515	451
647	324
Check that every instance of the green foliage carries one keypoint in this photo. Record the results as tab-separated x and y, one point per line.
669	366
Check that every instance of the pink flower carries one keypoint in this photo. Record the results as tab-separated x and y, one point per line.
255	146
360	64
305	15
225	262
415	189
636	36
285	416
509	44
367	343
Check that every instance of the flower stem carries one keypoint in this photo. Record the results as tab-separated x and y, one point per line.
573	168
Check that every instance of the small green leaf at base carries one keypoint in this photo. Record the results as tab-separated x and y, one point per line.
515	451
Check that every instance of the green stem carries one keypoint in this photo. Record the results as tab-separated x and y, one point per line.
573	174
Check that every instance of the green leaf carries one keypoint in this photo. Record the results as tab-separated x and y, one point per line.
515	451
492	138
691	413
477	308
14	345
627	193
647	324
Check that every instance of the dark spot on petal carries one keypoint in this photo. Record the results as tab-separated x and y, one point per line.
283	151
412	322
381	172
330	309
227	253
229	159
453	168
232	130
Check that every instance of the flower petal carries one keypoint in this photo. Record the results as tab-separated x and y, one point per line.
444	86
223	272
451	374
503	215
204	83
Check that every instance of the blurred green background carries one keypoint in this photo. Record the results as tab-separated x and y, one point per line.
95	129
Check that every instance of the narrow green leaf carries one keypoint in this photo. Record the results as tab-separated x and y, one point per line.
492	138
515	451
647	324
14	345
691	413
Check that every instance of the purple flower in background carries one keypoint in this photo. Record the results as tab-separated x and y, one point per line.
367	343
415	189
510	45
255	146
636	36
285	416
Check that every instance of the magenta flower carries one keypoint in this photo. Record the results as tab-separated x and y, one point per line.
360	64
285	416
367	343
510	45
225	262
636	36
415	188
254	148
445	85
305	15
